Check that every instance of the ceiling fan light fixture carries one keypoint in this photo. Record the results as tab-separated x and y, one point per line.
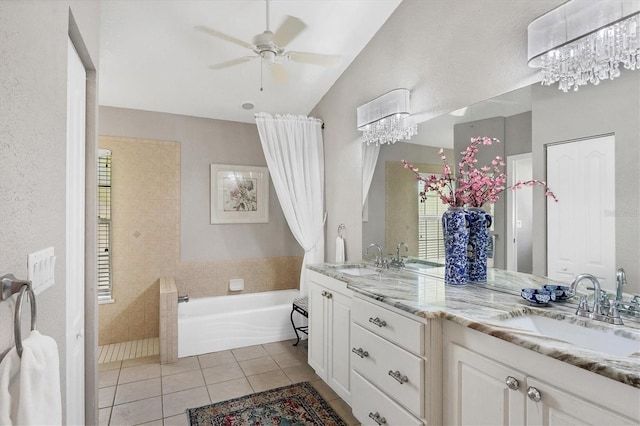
268	56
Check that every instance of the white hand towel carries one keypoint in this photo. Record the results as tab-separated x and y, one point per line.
339	250
30	386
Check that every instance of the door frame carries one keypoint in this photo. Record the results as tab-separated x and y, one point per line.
90	237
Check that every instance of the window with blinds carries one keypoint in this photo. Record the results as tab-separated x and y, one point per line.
104	226
430	242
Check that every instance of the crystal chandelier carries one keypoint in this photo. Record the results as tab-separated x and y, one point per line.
383	120
585	41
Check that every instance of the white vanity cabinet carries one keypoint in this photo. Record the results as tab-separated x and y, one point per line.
492	382
329	332
395	372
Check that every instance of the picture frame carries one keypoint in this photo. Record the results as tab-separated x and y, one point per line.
239	194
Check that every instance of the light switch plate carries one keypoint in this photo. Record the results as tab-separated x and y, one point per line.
41	269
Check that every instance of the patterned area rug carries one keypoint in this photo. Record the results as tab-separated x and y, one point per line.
297	404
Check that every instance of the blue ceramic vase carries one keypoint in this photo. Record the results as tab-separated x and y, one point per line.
479	224
455	232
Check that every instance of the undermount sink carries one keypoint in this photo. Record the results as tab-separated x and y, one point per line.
595	339
358	272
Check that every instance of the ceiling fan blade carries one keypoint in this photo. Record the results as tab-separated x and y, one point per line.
231	63
314	58
279	73
289	30
223	36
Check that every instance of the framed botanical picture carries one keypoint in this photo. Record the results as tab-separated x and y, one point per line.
239	194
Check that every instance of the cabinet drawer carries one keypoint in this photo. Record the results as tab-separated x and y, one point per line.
401	330
368	400
383	357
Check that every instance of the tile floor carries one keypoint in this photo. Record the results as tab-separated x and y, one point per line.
141	391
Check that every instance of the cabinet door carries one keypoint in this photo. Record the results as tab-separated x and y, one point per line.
339	346
317	329
477	393
557	407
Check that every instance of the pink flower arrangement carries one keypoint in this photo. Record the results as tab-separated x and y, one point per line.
473	187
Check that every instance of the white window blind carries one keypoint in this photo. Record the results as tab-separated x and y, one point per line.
104	226
430	242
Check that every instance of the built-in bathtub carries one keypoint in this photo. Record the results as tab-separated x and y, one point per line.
212	324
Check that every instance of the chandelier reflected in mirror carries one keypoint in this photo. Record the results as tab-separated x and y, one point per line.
585	41
384	119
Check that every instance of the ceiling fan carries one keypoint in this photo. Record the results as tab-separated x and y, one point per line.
270	48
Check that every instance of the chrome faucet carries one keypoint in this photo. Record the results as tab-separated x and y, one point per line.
397	261
612	316
379	262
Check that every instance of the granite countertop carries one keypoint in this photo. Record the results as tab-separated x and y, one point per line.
482	306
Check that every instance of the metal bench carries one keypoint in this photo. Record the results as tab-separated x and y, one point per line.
301	306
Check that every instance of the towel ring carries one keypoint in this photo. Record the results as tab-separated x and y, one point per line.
341	229
16	319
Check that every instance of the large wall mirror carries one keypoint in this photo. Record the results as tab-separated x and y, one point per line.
528	121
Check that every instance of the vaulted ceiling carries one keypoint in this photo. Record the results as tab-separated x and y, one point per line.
156	55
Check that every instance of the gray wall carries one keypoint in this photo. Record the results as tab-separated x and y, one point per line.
517	134
33	112
444	60
611	107
203	142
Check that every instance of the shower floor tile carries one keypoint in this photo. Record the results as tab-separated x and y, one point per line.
128	350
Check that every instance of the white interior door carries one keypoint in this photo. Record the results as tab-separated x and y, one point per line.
75	172
580	227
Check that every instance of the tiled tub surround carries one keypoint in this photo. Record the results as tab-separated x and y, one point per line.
480	306
211	278
168	321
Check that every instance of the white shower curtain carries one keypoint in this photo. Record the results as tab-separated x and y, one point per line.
293	148
369	160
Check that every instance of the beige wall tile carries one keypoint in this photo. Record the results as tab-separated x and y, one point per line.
145	240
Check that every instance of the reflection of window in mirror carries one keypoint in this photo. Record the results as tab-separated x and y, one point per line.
430	242
104	226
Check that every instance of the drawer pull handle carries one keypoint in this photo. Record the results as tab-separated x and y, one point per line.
512	383
377	321
398	376
534	394
360	352
378	418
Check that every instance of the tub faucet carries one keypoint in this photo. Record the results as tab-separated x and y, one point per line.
183	299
